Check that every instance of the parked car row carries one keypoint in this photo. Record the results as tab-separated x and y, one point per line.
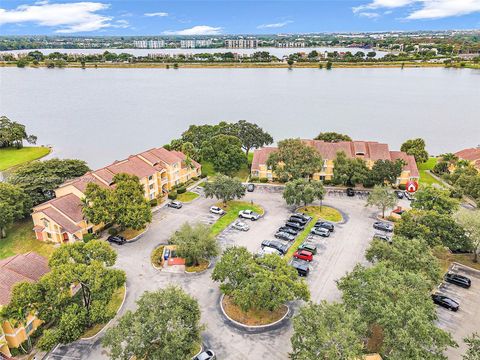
446	301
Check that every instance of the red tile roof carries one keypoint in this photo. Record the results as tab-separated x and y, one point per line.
160	155
28	267
134	165
82	182
66	224
472	154
260	156
182	156
411	164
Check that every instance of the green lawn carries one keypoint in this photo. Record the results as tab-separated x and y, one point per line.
12	157
425	177
187	196
232	209
316	212
21	239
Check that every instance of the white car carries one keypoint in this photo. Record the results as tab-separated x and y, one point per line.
267	251
249	214
240	225
217	210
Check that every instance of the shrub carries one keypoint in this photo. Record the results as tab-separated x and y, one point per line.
402	187
181	190
88	237
263	180
327	182
203	175
254	179
172	195
195	178
153	202
113	231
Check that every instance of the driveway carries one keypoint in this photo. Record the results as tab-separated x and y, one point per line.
337	255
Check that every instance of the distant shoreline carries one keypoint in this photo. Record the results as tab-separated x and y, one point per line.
298	65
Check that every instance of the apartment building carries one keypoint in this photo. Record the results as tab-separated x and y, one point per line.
149	44
367	150
241	43
61	219
192	44
28	267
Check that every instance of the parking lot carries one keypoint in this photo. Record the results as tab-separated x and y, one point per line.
466	320
336	255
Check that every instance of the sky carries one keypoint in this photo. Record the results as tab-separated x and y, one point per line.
198	17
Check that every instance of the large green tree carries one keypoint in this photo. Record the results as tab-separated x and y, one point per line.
224	188
195	243
333	137
402	254
349	172
434	228
399	303
439	200
263	283
327	331
294	160
14	205
473	351
225	153
470	222
251	135
124	205
303	192
39	179
382	198
416	147
12	134
165	325
386	171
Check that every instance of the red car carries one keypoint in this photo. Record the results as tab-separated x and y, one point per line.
304	255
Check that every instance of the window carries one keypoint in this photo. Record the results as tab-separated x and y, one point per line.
46	223
29	327
151	186
150	178
49	235
322	178
152	196
90	230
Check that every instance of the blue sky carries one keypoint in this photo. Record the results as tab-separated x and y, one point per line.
140	17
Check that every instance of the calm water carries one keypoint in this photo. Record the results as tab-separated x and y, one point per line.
278	52
101	115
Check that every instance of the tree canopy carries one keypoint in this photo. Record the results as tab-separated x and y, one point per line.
39	179
303	192
165	325
333	137
382	198
470	222
294	160
263	283
439	200
225	153
14	205
416	147
224	188
473	351
12	134
125	205
386	171
327	331
195	243
251	135
349	172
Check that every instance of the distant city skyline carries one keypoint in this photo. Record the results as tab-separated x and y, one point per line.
140	17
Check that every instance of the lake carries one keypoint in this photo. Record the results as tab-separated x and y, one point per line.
102	115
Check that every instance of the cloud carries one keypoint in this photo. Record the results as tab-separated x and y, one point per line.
274	25
67	17
370	15
158	14
196	30
424	9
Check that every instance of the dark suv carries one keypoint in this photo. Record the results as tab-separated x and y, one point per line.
301	266
325	224
294	225
446	302
298	219
274	244
288	230
384	226
459	280
116	239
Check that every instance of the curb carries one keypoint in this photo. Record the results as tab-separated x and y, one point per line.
257	329
107	324
199	272
139	236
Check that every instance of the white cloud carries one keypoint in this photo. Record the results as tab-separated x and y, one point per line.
159	14
425	9
67	17
196	30
274	25
370	15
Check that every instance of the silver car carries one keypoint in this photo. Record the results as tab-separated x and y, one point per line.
240	225
205	355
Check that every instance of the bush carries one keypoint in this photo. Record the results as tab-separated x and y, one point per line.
195	178
172	195
88	237
327	182
113	231
153	202
203	175
263	180
402	187
181	190
254	179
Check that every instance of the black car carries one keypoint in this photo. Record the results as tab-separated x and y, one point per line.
294	225
446	302
384	226
288	230
284	236
350	192
274	244
298	220
325	224
250	187
400	194
459	280
302	215
116	239
175	204
301	266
